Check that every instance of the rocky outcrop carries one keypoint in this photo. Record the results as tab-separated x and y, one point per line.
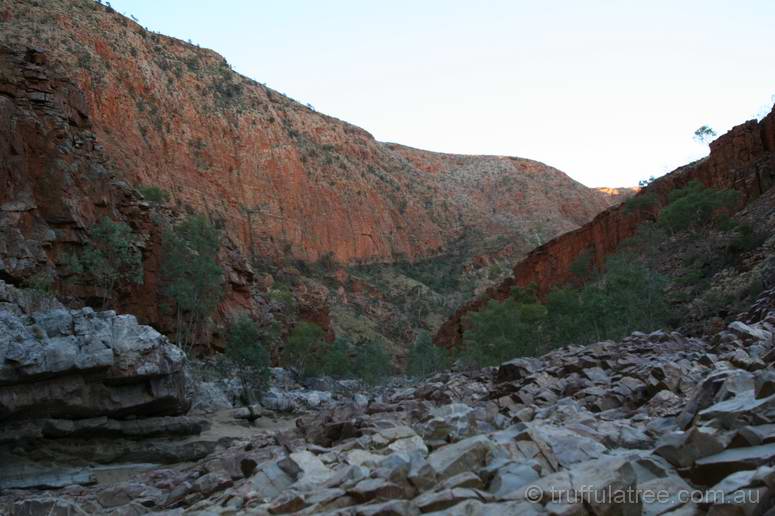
73	364
742	159
655	424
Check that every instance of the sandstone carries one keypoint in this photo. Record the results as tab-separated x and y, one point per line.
462	456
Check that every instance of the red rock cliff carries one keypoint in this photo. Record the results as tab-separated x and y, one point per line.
742	159
283	179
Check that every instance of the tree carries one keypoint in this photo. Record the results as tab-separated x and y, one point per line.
191	275
304	348
704	134
372	363
504	330
245	349
336	360
425	358
109	258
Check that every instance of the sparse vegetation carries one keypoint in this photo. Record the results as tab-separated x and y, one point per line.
110	258
704	134
154	194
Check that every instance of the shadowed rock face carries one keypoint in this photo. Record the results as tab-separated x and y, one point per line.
742	159
80	363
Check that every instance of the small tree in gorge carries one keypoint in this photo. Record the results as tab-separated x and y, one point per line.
191	275
110	258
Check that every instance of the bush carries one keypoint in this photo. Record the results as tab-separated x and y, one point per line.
244	348
746	239
336	360
303	351
504	330
695	206
191	275
425	358
109	258
154	194
627	297
372	363
640	202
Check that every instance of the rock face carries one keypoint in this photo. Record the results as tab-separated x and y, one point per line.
72	364
654	424
282	177
742	159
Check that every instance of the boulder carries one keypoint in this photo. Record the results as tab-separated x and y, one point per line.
515	370
466	455
714	468
81	363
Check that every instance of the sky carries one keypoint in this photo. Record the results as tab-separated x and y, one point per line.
609	92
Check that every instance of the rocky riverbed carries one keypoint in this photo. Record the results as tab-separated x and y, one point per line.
655	424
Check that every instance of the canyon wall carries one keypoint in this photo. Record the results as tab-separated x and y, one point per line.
742	159
283	180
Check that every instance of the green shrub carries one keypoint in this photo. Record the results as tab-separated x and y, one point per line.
425	358
746	239
154	194
626	297
640	202
503	330
304	349
372	363
336	359
244	348
41	282
191	276
582	266
695	206
109	258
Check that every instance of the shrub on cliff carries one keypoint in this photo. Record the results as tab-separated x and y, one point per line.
191	276
109	258
640	202
245	349
425	358
696	206
304	349
154	194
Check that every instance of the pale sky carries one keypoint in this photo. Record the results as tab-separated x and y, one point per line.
608	91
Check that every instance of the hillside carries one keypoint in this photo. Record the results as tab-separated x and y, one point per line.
282	177
742	160
300	197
